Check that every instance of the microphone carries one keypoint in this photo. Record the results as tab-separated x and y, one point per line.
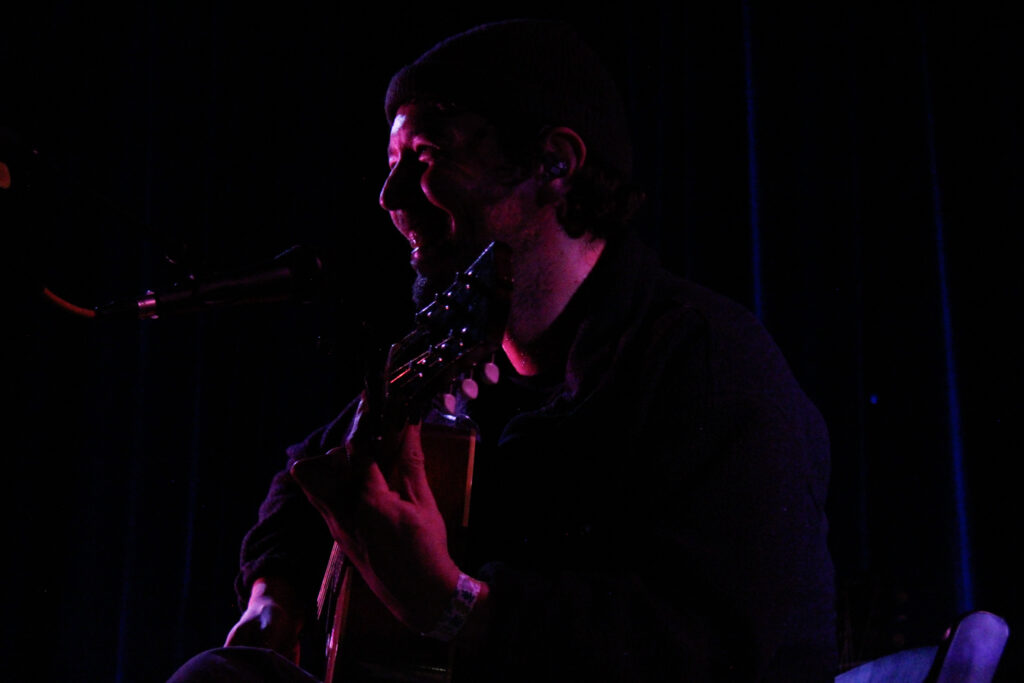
295	273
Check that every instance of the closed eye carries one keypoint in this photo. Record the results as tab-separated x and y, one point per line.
423	154
426	153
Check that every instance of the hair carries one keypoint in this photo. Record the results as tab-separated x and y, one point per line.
600	202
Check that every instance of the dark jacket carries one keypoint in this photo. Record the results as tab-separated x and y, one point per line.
654	513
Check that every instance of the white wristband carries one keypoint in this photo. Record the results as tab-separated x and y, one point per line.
448	626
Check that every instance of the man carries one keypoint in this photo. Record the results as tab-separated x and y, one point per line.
648	495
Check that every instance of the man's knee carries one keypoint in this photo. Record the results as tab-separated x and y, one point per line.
240	665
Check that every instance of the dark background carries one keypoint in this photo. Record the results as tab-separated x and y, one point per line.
850	171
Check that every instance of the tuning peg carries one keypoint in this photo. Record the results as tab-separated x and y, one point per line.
469	388
464	389
490	373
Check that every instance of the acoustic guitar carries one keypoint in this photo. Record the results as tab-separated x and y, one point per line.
429	377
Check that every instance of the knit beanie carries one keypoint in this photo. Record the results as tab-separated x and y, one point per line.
539	71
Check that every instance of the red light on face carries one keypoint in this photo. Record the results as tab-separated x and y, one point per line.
5	177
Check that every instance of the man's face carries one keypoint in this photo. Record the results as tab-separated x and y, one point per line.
450	192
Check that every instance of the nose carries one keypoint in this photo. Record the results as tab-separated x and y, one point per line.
399	186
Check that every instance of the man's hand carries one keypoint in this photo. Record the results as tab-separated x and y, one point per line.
269	620
391	530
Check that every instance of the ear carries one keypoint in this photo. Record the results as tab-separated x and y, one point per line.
563	153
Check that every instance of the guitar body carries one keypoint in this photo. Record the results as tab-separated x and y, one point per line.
366	642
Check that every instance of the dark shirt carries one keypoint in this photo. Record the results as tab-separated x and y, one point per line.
655	512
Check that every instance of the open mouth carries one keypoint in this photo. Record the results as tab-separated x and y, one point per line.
430	258
430	244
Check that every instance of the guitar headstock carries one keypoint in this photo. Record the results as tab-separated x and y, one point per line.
461	327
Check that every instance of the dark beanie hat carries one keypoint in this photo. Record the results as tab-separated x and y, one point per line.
537	70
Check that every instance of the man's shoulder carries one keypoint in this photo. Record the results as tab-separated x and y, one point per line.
716	336
684	309
672	295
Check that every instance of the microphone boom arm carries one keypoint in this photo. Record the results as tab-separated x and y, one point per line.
293	274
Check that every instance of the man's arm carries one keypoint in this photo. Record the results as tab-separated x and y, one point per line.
273	619
284	556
